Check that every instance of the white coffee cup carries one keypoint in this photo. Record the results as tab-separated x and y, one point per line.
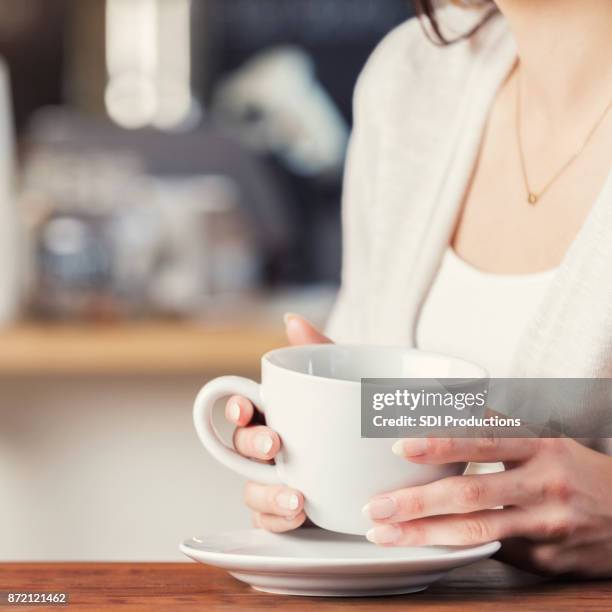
311	396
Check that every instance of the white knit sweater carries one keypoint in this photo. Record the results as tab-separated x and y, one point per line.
420	111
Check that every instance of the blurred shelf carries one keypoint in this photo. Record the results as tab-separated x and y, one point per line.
136	348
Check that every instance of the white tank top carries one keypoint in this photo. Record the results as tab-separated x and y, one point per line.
478	315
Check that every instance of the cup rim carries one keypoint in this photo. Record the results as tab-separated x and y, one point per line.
266	358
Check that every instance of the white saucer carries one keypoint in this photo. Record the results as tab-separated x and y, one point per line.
322	563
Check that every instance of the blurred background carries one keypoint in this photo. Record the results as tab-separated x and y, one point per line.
170	180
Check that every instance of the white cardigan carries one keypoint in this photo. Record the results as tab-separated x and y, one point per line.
420	111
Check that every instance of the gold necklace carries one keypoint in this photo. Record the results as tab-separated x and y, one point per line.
532	196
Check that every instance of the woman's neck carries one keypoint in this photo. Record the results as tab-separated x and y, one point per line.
565	48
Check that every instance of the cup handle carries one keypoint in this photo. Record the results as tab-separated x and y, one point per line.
202	419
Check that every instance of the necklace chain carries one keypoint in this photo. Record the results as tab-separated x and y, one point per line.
532	196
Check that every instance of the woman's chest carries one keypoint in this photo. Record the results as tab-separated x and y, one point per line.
498	229
478	316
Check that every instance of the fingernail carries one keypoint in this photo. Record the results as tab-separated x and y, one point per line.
233	411
412	447
288	501
288	317
380	508
384	534
264	443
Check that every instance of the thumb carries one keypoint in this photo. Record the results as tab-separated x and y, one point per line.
300	331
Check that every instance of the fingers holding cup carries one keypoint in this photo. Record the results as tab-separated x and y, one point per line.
277	500
239	410
257	442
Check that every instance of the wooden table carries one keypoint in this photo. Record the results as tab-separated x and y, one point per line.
170	587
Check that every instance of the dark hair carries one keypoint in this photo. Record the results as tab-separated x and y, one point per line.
426	11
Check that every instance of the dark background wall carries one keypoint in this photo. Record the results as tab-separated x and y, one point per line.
55	53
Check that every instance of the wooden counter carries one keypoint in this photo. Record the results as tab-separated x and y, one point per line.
146	348
153	587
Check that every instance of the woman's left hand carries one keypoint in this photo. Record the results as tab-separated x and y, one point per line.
556	496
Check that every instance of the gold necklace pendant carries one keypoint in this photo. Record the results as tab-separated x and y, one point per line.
533	198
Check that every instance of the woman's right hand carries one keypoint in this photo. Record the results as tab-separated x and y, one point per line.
275	507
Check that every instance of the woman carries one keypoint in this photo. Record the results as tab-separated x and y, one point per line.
478	221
